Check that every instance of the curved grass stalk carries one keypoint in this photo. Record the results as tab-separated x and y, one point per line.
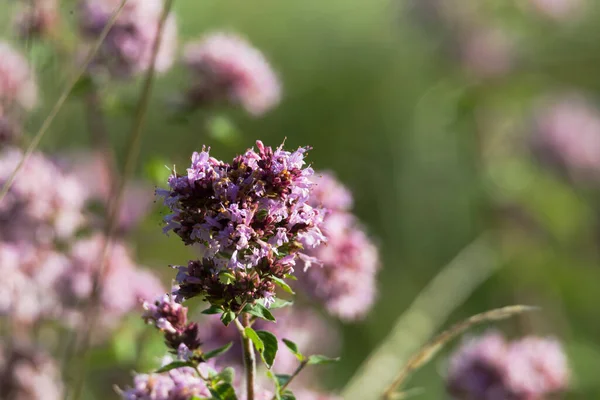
448	290
61	101
435	345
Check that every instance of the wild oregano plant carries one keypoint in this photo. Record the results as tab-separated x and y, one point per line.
264	226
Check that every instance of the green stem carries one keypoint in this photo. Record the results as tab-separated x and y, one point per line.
303	364
249	356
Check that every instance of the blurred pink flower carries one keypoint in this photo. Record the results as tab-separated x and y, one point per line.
567	135
489	368
28	374
226	66
346	281
124	286
28	275
559	10
486	52
537	366
18	91
43	204
92	172
17	82
127	50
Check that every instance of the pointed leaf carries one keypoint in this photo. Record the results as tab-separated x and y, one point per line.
260	311
280	303
270	347
282	379
252	335
217	352
213	310
173	365
227	375
288	395
282	284
227	317
318	359
293	348
223	391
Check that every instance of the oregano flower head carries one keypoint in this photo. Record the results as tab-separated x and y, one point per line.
251	217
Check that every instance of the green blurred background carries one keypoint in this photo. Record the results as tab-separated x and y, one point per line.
381	97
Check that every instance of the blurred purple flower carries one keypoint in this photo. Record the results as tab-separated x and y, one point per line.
226	66
491	368
346	280
249	217
127	50
18	91
43	204
176	384
28	374
537	366
486	52
559	10
566	135
29	274
124	286
92	172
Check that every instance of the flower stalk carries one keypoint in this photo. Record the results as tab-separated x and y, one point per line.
249	356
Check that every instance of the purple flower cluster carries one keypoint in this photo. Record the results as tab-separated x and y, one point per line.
227	67
347	280
491	368
127	50
177	384
252	219
18	91
170	318
28	374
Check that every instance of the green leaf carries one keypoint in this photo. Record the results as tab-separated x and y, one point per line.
288	395
270	347
213	310
173	365
282	379
293	348
223	391
226	277
318	359
217	352
281	283
290	276
227	317
280	303
252	335
260	311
